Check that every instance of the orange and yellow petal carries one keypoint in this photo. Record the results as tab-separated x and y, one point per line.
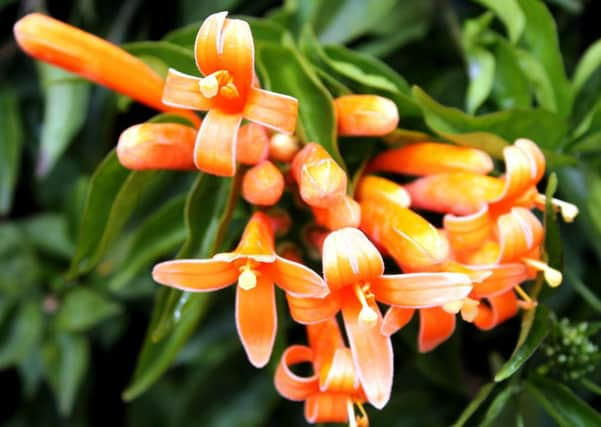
157	146
256	320
421	290
273	110
338	374
343	213
372	352
365	115
395	319
257	241
322	183
253	144
504	277
291	385
435	327
499	308
263	184
215	147
349	257
519	232
326	408
324	338
382	190
467	234
296	279
313	310
429	158
182	91
195	275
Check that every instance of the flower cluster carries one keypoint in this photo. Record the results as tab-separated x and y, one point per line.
473	264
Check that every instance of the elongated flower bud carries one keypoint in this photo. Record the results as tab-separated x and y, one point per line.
93	58
157	146
365	115
263	184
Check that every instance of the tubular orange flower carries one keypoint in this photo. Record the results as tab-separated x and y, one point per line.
331	393
255	266
382	190
82	53
365	115
157	146
340	214
427	158
224	52
353	269
253	144
263	184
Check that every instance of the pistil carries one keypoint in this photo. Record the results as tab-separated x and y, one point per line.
219	82
247	279
552	276
367	316
569	211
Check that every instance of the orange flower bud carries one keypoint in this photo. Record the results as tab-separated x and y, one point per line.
382	190
345	213
365	115
282	147
157	146
93	58
263	184
253	144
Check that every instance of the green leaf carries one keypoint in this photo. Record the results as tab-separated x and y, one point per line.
171	54
19	267
82	309
159	235
66	359
49	232
491	132
11	136
510	87
540	37
294	77
565	407
531	336
540	79
65	107
481	70
114	195
588	64
473	406
25	332
176	314
510	13
498	405
584	291
552	243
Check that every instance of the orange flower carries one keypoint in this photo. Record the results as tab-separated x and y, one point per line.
382	190
263	184
342	213
353	270
255	266
224	52
253	144
365	115
332	391
95	59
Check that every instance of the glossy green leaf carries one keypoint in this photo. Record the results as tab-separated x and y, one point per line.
171	54
66	359
65	108
510	13
294	77
481	70
176	314
511	88
565	407
491	132
540	37
498	405
82	309
474	405
589	62
11	136
531	337
114	195
159	235
49	233
25	333
540	79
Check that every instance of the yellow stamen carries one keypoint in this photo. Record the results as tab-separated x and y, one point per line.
215	83
367	316
453	307
356	420
569	211
469	310
248	277
229	91
527	303
350	412
209	86
552	276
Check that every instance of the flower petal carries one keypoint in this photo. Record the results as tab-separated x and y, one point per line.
435	327
253	144
324	338
313	310
468	233
519	232
256	320
504	277
339	373
382	190
182	91
215	148
395	319
296	279
372	352
326	408
421	290
194	275
290	385
343	213
272	110
208	43
502	307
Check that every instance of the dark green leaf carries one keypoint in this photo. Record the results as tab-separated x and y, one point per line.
294	77
48	232
171	54
26	329
11	136
176	314
114	195
491	132
498	405
589	62
566	408
65	107
510	13
66	359
473	406
540	79
552	244
19	268
510	87
584	291
531	336
83	309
